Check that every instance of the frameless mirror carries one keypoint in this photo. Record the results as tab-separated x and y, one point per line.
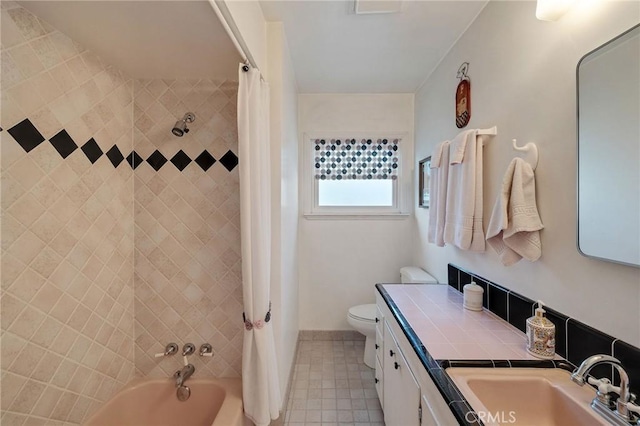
609	150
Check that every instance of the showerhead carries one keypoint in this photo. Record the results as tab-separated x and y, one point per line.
180	128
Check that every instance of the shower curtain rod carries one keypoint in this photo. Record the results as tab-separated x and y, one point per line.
221	9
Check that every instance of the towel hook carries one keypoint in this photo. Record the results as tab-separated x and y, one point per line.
531	150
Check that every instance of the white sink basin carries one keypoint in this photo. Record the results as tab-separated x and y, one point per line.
526	396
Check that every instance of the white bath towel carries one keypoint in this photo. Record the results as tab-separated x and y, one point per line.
463	224
438	193
514	228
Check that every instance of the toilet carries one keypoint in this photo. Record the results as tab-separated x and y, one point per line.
363	317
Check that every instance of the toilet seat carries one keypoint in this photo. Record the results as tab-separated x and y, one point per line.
366	313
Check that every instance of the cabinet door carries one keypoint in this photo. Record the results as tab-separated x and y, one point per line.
379	379
401	389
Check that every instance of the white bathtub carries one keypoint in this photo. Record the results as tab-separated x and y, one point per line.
213	402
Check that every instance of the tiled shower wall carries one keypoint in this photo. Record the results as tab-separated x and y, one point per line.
187	226
76	217
67	225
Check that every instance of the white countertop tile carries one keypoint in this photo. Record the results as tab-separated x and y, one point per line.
448	331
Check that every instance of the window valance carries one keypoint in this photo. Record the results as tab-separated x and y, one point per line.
348	158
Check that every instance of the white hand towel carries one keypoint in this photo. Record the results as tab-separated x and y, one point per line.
438	193
463	225
514	228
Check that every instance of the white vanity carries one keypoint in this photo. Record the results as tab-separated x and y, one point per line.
422	329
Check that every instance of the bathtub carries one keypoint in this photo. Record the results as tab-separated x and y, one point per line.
153	402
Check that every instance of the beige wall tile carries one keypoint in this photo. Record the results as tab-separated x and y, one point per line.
74	227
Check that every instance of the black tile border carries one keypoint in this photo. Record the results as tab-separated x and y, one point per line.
28	137
574	340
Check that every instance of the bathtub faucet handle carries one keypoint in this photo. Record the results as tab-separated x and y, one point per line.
169	350
188	349
206	350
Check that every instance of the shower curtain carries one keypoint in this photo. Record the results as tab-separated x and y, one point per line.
260	387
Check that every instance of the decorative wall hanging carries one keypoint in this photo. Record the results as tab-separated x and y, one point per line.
463	97
337	159
423	186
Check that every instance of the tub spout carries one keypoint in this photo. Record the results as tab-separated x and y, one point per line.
183	374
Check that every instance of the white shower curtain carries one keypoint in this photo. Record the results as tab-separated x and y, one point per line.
260	387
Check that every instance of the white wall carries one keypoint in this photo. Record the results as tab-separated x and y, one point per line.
284	217
248	17
342	259
523	80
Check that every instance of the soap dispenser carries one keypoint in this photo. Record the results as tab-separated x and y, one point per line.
541	335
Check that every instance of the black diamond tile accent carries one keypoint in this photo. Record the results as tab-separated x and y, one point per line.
156	160
26	135
63	143
134	159
205	160
115	156
181	160
229	160
92	150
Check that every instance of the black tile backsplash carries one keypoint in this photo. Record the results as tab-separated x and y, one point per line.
575	341
452	273
560	322
628	356
464	280
586	341
498	301
485	295
520	308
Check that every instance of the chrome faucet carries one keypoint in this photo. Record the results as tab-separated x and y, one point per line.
183	374
622	415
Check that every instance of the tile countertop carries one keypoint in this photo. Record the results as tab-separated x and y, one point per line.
450	332
443	334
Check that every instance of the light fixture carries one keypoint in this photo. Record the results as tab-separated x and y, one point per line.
552	10
368	7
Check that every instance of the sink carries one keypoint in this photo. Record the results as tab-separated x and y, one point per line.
526	396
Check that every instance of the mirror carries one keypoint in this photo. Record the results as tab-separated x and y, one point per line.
609	150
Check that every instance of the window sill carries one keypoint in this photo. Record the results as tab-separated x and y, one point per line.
352	216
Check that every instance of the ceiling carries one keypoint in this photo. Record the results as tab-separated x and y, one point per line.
147	39
336	51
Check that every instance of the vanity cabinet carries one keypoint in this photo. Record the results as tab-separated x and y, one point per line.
407	393
379	373
401	390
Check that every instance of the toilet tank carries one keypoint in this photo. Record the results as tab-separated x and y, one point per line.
415	275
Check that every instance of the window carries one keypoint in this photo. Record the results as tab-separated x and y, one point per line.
354	175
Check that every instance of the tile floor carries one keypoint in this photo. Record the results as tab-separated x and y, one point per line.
332	386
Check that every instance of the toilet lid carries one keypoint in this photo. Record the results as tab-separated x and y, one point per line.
363	312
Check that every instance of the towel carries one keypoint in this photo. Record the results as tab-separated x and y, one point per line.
438	193
514	228
463	224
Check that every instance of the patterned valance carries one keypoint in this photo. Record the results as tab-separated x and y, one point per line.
338	159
